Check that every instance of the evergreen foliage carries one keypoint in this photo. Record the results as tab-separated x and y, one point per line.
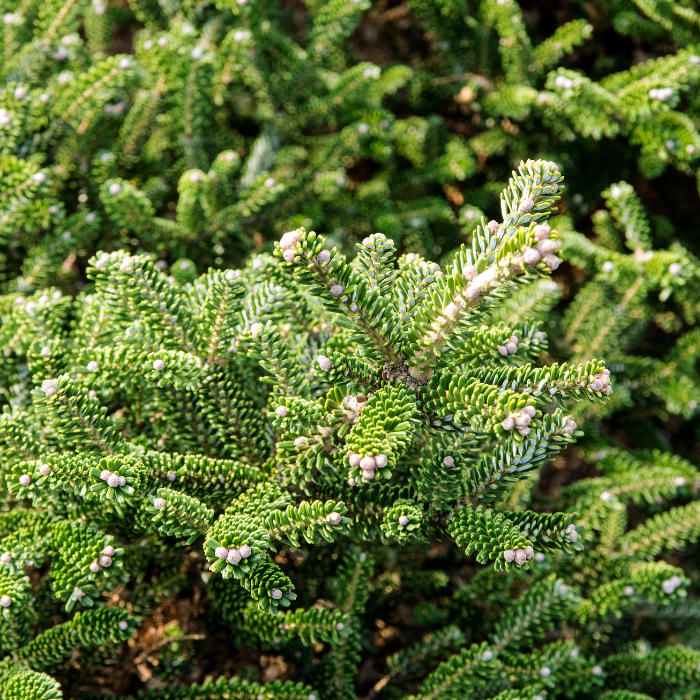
242	459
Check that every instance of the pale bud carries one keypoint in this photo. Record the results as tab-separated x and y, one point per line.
289	255
629	591
300	441
323	257
355	460
234	556
526	205
334	518
520	556
449	461
281	411
245	551
276	593
509	555
159	503
45	470
115	188
324	363
403	520
5	601
113	481
368	462
95	567
508	423
25	479
380	460
368	474
289	240
531	256
336	290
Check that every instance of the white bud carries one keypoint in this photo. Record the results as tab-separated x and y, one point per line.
570	427
5	601
256	329
323	257
529	552
675	269
105	474
334	518
20	92
172	476
6	558
597	671
300	441
115	188
470	272
159	503
368	474
351	481
629	591
282	411
608	266
121	480
95	567
522	419
123	625
337	290
449	461
531	256
108	550
45	470
125	63
508	423
324	363
231	275
380	460
354	459
509	555
524	431
158	365
367	462
563	82
363	128
113	481
148	45
526	205
276	593
289	240
539	557
596	385
548	246
520	556
289	255
542	231
221	552
605	496
25	479
78	593
492	226
4	117
90	217
403	520
92	366
245	551
690	149
503	350
269	182
488	654
511	348
234	556
679	481
39	177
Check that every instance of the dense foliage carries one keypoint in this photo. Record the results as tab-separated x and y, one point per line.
242	459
